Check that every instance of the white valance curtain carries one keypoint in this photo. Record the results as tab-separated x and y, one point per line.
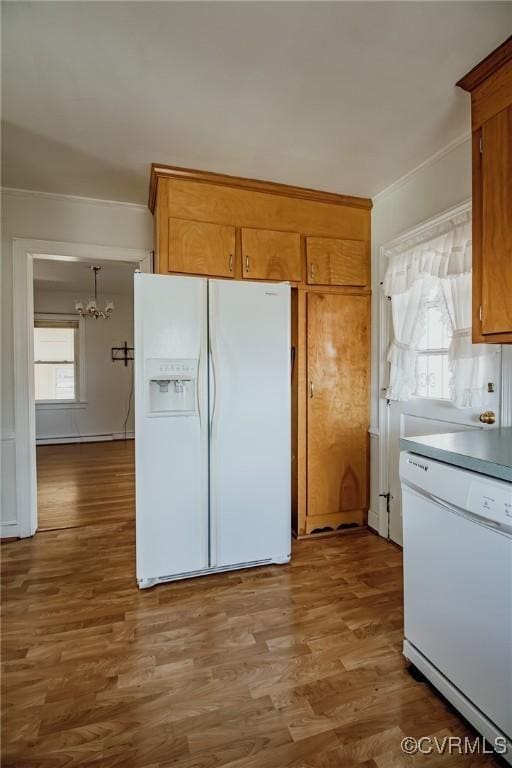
443	262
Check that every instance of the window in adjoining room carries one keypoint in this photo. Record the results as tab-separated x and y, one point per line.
56	360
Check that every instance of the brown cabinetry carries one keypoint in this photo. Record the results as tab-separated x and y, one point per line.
270	255
490	85
200	248
331	261
496	258
338	333
220	226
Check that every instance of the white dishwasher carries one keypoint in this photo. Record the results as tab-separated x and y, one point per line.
458	588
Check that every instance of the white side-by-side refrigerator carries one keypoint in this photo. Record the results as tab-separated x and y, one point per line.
212	425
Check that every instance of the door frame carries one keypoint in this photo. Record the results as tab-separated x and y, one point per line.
424	230
24	253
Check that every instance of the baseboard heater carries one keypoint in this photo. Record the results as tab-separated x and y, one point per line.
101	438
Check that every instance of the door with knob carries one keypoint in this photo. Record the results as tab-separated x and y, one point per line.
430	411
487	417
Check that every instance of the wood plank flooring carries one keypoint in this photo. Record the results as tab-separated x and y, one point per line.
297	665
85	483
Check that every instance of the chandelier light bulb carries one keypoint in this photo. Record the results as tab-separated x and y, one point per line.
91	309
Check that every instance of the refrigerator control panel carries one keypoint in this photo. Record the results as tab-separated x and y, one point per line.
172	386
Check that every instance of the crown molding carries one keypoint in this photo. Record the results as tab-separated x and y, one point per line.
35	193
487	67
421	167
159	171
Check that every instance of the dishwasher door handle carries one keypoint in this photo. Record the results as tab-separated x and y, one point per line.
472	517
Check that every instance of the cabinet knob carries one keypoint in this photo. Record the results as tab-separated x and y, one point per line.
311	389
230	262
247	265
312	271
487	417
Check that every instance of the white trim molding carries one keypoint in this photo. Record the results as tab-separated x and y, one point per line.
421	167
17	192
9	524
506	385
24	251
374	521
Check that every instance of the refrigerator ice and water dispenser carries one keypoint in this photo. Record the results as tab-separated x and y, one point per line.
172	386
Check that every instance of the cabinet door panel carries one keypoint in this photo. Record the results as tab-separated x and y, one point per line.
337	417
497	224
270	255
331	261
199	248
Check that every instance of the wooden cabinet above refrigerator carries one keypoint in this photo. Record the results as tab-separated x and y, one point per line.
273	225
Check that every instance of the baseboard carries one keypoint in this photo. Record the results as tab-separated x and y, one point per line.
85	438
373	521
9	530
325	534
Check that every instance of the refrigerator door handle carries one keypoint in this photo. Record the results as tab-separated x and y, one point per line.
212	536
213	390
202	380
199	387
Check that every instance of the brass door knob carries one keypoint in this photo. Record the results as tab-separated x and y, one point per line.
487	417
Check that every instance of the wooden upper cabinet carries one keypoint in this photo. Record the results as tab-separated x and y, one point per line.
338	343
490	85
331	261
200	248
270	255
496	287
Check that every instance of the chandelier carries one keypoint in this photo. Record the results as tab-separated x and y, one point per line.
91	310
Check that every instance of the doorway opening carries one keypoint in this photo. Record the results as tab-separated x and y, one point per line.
74	383
83	390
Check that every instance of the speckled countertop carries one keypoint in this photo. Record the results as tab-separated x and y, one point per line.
488	451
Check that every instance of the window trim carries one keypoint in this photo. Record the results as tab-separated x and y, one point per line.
80	363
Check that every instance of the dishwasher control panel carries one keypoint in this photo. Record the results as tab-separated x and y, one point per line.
467	491
490	500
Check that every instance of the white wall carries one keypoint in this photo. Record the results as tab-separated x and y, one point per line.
51	217
441	183
107	384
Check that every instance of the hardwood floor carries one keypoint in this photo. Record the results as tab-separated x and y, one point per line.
297	665
85	483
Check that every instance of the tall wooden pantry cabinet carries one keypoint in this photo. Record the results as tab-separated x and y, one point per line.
222	226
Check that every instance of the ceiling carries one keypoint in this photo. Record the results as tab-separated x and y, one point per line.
76	277
341	96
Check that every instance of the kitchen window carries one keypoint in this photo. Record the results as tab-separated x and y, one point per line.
432	362
431	354
58	362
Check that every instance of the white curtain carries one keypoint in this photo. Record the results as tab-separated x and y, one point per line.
472	366
407	315
445	262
